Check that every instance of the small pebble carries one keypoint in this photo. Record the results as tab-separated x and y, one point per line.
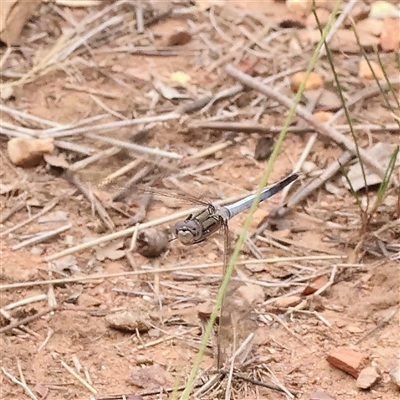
368	377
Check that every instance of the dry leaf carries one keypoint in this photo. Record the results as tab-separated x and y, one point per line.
111	251
13	16
152	242
381	152
326	101
57	161
390	37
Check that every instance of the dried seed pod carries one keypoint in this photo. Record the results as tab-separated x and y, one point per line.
152	242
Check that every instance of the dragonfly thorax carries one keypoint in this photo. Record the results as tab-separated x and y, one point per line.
189	231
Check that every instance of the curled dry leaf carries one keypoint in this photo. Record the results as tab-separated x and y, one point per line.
152	242
26	152
57	161
13	17
263	148
314	81
111	251
370	70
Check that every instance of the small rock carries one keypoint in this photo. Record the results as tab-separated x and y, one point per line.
348	360
395	376
314	81
289	301
26	152
369	70
323	116
130	321
368	377
151	377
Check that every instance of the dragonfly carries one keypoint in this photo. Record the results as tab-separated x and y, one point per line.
199	226
210	219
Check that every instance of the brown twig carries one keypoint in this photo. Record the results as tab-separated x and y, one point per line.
249	127
101	211
325	130
27	320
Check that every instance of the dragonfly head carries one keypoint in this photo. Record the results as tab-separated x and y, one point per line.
188	232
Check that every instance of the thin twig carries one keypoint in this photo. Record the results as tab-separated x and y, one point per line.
41	237
27	320
323	129
381	323
18	285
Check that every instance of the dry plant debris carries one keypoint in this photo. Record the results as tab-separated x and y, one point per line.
189	97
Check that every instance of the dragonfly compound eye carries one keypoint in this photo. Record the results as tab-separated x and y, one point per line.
188	232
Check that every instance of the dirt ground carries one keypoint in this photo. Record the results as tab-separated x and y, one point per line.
320	237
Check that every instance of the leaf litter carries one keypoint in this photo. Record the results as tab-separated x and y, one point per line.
77	83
